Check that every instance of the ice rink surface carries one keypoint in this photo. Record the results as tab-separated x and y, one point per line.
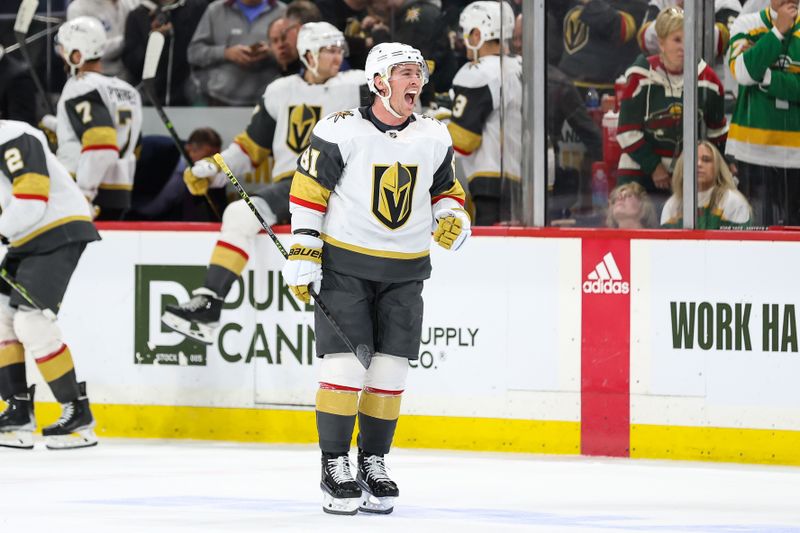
177	486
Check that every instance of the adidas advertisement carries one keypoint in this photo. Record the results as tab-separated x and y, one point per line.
605	278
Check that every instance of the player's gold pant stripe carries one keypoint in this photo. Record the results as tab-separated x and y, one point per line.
229	257
55	365
257	153
464	140
31	184
337	402
116	186
60	222
99	136
375	253
11	353
309	190
383	406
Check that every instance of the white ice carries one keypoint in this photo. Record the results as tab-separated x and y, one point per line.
178	486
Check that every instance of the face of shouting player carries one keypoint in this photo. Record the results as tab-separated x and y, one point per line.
405	81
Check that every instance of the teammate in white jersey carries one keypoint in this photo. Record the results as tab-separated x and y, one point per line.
46	224
490	144
280	128
99	121
372	186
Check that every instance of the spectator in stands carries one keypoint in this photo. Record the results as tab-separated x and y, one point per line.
629	207
600	40
764	54
347	15
282	34
232	61
168	199
565	104
177	20
650	128
112	13
719	204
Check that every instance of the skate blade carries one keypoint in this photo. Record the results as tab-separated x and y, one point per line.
79	439
373	504
342	506
22	439
194	330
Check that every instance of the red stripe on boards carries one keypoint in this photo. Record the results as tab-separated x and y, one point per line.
605	347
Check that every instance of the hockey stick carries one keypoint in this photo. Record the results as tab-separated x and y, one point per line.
46	311
362	351
155	44
21	26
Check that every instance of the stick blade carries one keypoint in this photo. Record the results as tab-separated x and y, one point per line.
152	55
27	9
364	355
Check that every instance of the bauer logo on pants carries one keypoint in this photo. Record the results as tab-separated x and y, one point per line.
156	287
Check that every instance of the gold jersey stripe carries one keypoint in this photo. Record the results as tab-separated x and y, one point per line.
99	136
53	367
375	253
31	184
228	259
257	153
309	190
464	141
11	353
60	222
630	26
337	402
383	406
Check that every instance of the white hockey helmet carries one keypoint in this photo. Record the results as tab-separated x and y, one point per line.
385	56
494	18
314	36
84	34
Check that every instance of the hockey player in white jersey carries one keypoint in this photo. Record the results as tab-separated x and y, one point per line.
280	128
369	190
46	225
99	121
490	145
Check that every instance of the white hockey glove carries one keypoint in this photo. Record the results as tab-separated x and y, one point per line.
304	266
196	178
451	228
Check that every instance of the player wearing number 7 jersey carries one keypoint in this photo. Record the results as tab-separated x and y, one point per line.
99	120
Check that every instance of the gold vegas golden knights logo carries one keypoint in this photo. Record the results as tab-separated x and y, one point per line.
392	193
302	119
576	33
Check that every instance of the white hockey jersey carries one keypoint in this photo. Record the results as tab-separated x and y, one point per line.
370	189
282	122
479	134
99	125
42	207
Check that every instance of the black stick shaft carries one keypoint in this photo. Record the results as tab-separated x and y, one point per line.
46	311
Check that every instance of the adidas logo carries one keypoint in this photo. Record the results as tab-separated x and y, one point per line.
606	278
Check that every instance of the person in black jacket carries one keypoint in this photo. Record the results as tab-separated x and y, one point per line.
177	20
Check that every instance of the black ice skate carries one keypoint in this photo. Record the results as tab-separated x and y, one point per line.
74	428
340	492
196	318
379	491
17	421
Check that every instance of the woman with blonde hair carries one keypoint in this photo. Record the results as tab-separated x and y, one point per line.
629	207
651	117
719	204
